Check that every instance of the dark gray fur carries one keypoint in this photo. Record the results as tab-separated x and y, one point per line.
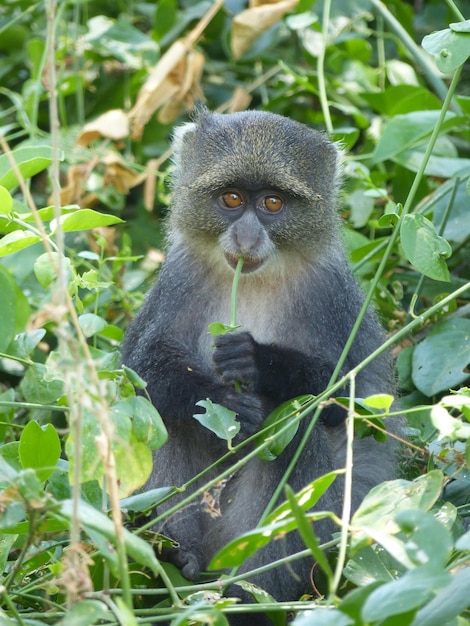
296	312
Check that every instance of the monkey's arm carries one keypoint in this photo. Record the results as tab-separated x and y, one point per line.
274	373
176	381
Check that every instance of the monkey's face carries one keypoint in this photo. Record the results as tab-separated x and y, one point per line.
254	185
248	216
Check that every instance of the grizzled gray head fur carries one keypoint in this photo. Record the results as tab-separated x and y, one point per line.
256	150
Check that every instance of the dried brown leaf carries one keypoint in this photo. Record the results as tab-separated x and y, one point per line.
119	175
248	25
113	124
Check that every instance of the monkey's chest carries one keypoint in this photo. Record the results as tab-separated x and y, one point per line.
266	314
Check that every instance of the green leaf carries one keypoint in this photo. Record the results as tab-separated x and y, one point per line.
39	449
440	360
307	533
145	500
428	542
45	268
90	517
217	328
322	617
17	240
30	161
91	324
85	613
84	219
411	591
383	502
450	47
218	419
370	565
306	498
6	201
133	464
7	309
24	343
277	420
381	401
276	525
147	424
134	378
448	603
424	248
37	388
405	131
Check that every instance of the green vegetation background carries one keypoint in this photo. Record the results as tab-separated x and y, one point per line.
89	94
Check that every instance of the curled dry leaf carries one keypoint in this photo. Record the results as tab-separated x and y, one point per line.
113	125
173	81
119	175
248	25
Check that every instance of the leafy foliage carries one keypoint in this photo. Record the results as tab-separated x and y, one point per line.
76	440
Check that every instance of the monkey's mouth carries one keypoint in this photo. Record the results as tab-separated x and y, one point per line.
249	265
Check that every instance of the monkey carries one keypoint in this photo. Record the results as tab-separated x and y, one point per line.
265	188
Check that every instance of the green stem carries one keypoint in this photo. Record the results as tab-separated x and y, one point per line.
233	301
321	68
420	57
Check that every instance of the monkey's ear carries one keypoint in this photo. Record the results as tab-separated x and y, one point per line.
180	136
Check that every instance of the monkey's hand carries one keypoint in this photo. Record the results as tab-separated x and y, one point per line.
234	361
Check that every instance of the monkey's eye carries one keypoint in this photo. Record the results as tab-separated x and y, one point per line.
273	204
231	200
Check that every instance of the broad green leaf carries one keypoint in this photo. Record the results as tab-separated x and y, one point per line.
145	500
411	591
137	548
307	533
424	248
91	324
379	401
7	309
30	161
277	420
306	498
134	378
405	131
46	214
428	542
449	427
17	240
322	617
85	613
217	328
45	268
6	201
440	166
449	47
370	565
119	39
383	502
24	343
440	360
401	99
11	516
218	419
39	449
449	602
278	523
133	464
147	424
37	388
458	225
84	219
